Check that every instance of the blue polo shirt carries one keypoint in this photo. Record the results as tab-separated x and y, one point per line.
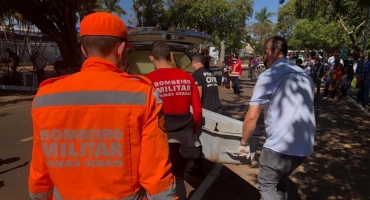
287	93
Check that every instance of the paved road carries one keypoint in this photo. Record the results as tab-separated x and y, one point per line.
337	170
15	125
16	144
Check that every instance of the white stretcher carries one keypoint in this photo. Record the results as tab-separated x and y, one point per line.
220	138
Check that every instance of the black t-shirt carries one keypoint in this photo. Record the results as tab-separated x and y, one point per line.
210	99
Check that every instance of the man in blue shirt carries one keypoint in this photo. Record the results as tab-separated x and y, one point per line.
364	85
285	93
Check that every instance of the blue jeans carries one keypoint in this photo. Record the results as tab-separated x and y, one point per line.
363	93
273	177
235	80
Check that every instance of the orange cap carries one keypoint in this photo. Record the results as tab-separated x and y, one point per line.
104	24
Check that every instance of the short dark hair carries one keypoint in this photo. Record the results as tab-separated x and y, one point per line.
278	45
100	44
199	58
160	50
299	60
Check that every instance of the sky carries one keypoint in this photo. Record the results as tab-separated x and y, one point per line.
272	6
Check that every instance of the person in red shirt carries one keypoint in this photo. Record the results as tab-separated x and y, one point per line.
236	74
336	77
178	92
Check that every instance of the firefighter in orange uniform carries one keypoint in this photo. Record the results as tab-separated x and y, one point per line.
99	133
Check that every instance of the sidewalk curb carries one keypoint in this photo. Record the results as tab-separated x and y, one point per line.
359	106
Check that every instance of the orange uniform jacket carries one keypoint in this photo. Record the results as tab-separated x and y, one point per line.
99	134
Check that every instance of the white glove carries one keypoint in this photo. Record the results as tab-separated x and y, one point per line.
244	151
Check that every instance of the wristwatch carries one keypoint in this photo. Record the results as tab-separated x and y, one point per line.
243	145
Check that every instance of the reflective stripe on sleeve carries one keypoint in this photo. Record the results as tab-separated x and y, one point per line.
90	98
42	195
137	196
168	194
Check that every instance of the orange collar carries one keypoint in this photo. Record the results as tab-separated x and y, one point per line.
99	64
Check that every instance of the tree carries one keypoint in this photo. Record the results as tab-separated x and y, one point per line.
56	19
263	16
262	29
286	19
224	20
112	6
349	14
148	12
316	35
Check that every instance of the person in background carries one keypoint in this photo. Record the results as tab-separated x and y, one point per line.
336	78
181	124
299	63
100	133
210	100
346	82
285	93
224	75
364	83
15	61
207	60
291	58
40	62
252	71
328	78
307	67
318	72
230	61
236	74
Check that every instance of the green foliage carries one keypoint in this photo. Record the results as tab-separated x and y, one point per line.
264	16
318	35
54	18
148	12
349	14
286	19
261	30
112	6
222	19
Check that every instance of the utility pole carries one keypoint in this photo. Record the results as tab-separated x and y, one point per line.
222	54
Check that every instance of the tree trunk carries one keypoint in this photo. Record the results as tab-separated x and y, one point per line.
351	34
366	36
222	54
69	50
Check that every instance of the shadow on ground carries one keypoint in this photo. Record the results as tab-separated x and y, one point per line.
337	170
9	161
339	167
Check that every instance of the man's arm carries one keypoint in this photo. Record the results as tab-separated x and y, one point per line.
198	83
40	185
154	166
250	122
200	90
261	96
197	107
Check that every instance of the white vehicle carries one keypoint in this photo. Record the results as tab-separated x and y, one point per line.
220	135
213	52
181	42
